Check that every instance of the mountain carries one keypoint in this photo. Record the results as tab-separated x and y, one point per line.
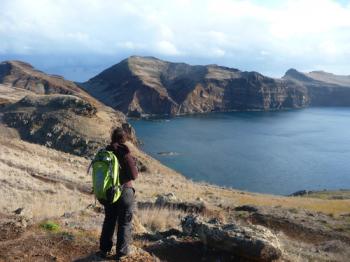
55	112
324	89
148	86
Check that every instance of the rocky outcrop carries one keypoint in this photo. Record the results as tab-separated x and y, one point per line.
55	112
13	226
324	89
65	122
307	226
141	86
170	201
253	243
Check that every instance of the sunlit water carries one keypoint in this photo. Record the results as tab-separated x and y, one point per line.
269	152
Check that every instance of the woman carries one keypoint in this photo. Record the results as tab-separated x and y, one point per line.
122	210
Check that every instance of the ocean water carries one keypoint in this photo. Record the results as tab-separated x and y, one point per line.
268	152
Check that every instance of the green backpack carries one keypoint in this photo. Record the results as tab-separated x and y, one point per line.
105	177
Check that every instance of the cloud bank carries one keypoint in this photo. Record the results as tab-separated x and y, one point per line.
268	36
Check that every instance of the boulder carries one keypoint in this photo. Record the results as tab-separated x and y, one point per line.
255	243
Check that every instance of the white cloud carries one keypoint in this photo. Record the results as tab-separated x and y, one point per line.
166	32
235	32
312	17
218	52
130	45
329	48
167	48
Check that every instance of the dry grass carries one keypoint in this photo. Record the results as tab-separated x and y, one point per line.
12	94
19	160
160	219
52	206
21	167
340	194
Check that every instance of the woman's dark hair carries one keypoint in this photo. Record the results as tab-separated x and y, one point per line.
118	136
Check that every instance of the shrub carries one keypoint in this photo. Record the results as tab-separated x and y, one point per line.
50	226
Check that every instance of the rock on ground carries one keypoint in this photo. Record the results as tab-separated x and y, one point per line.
254	242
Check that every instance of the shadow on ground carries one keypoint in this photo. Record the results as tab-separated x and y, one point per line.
92	258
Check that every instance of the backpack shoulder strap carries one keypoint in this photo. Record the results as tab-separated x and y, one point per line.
114	172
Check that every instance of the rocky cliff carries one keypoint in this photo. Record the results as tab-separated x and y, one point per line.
324	89
50	110
148	86
63	122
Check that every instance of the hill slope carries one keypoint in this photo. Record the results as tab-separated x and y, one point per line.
146	85
55	112
23	75
64	122
53	185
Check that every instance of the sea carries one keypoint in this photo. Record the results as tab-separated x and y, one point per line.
268	152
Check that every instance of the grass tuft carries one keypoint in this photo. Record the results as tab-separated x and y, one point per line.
160	219
50	226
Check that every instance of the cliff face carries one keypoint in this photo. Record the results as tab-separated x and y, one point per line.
50	110
60	121
324	89
145	86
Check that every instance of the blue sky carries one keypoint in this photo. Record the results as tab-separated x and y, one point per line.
78	38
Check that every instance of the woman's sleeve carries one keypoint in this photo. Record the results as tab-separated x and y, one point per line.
131	167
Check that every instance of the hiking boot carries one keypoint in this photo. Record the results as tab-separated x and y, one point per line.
130	251
119	257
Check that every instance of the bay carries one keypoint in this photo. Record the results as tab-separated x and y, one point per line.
268	152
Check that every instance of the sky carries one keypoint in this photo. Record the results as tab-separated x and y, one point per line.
79	38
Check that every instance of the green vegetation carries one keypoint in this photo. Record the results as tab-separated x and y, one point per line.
50	226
